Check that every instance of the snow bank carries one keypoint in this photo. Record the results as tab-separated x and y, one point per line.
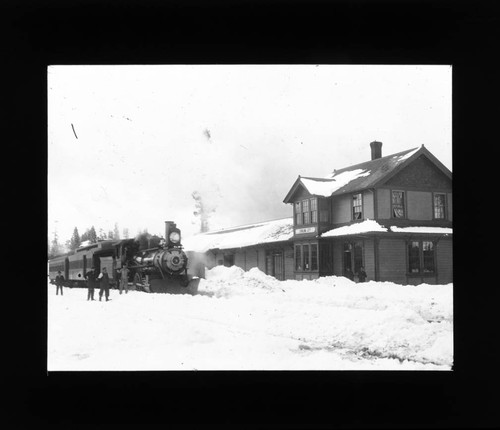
251	321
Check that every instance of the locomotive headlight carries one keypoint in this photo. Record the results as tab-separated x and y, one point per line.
174	237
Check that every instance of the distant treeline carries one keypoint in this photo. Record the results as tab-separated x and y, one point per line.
55	247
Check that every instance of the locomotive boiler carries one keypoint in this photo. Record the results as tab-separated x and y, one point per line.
163	268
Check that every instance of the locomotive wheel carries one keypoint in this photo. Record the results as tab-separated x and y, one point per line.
137	282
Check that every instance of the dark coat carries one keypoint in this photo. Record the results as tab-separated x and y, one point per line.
104	280
362	276
91	279
59	280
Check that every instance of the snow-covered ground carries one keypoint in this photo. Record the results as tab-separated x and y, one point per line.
250	321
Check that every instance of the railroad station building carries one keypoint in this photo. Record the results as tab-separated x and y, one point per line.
391	215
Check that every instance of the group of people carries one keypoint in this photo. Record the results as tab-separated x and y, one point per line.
94	280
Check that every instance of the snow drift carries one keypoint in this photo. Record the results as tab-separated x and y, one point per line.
251	321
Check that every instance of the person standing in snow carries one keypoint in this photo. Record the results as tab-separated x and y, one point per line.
103	280
91	281
59	282
362	274
124	280
348	274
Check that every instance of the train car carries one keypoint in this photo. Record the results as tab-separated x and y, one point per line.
58	264
75	265
160	269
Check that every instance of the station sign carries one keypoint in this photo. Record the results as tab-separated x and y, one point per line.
305	230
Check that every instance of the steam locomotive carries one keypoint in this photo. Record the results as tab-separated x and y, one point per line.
163	268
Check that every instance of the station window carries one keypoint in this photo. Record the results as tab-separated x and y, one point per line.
357	206
298	257
306	263
439	206
314	210
298	213
306	211
421	256
306	256
398	204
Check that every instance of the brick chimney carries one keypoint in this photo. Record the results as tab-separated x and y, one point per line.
376	149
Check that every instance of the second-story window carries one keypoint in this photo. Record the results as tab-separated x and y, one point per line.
314	210
298	213
306	211
398	204
357	206
439	206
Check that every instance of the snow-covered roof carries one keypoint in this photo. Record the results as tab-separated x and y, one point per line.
370	226
366	226
420	229
357	177
327	186
239	237
282	230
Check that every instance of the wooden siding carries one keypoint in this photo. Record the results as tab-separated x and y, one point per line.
419	205
262	260
369	258
421	173
289	262
251	259
383	203
444	251
392	260
239	259
337	258
341	209
368	209
300	194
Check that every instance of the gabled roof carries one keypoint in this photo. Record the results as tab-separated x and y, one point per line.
363	175
242	236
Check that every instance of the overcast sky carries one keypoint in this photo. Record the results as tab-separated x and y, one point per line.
130	144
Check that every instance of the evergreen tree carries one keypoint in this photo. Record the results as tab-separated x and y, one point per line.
75	240
92	235
125	233
55	248
110	234
101	234
85	236
116	232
